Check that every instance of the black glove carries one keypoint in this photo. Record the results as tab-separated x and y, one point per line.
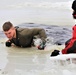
8	44
55	53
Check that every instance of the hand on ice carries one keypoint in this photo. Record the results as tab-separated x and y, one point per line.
8	44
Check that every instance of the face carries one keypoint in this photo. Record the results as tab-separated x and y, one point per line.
74	14
10	33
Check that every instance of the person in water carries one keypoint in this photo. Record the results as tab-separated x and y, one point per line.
22	37
70	45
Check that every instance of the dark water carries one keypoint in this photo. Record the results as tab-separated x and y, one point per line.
60	34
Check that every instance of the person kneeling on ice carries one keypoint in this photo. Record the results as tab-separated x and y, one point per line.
70	45
23	37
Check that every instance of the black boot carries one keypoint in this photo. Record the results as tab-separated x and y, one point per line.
55	53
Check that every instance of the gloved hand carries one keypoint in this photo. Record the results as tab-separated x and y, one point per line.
55	53
41	46
8	44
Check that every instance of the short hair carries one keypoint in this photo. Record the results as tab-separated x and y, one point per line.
74	5
7	26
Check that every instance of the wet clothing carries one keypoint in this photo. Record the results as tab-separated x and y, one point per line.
24	36
70	45
70	48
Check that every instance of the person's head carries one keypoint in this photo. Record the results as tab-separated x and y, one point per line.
74	9
9	30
